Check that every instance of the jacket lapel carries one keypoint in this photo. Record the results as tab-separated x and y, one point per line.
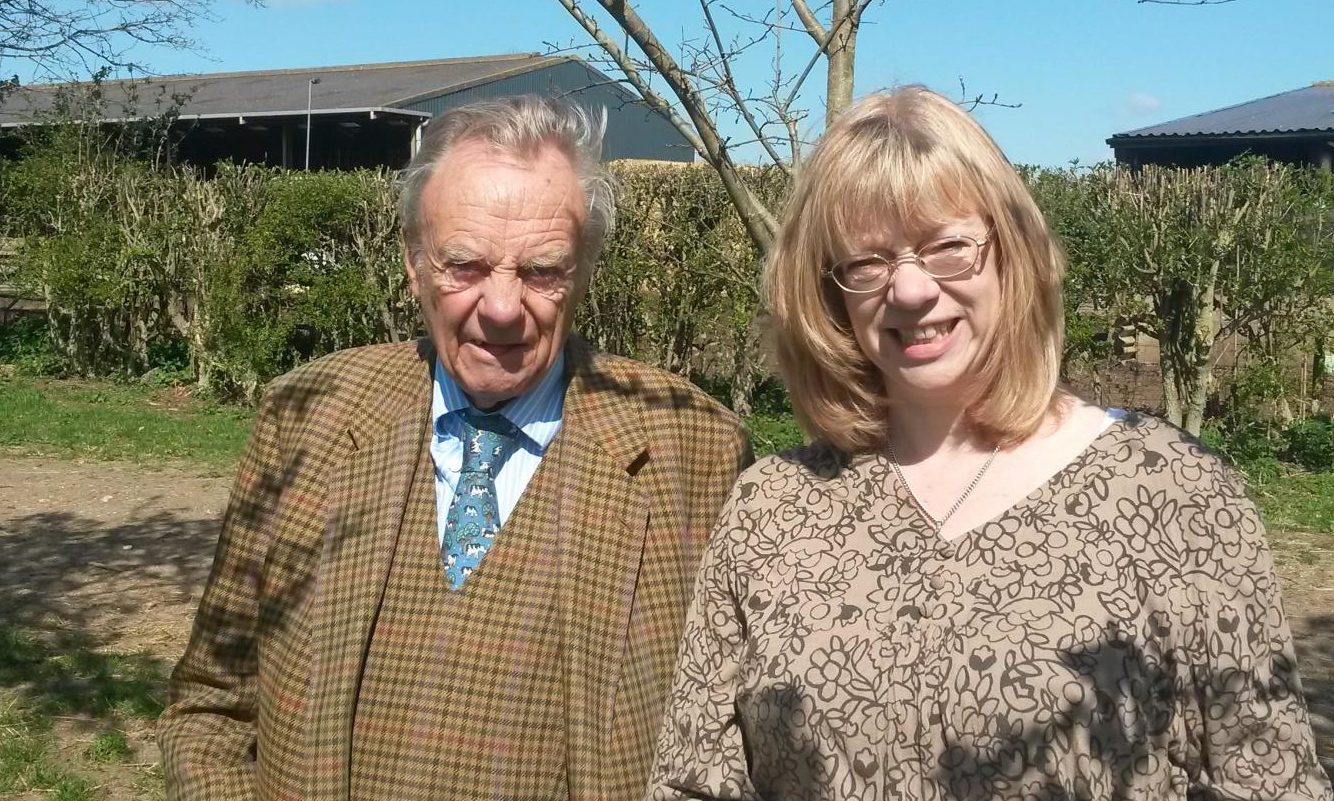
367	499
603	520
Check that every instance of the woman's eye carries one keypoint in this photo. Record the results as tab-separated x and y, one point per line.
947	247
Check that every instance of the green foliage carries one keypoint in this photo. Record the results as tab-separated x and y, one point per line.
1195	257
678	285
771	433
1310	443
229	282
26	344
109	746
1251	447
317	269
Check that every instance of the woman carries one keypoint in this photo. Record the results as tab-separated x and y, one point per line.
974	585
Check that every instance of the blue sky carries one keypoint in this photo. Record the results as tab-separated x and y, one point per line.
1080	70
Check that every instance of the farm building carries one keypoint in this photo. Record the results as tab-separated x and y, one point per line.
345	117
1295	127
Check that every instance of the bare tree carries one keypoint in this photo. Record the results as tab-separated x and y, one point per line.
701	86
59	39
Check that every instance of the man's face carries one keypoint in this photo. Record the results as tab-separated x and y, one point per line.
497	276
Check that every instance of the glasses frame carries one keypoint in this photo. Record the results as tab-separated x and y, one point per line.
831	272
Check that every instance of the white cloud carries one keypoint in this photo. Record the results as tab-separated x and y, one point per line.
1142	104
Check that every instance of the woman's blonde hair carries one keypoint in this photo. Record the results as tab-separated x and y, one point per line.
911	158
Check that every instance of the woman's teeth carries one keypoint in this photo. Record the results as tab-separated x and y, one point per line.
924	334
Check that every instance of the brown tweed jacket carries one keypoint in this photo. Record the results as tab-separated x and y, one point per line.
263	701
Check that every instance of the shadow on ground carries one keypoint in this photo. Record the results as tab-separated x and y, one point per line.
1315	656
93	615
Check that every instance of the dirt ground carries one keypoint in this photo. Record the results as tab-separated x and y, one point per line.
115	556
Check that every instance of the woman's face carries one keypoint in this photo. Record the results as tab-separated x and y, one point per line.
925	334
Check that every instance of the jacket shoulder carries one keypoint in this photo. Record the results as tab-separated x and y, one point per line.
347	379
665	396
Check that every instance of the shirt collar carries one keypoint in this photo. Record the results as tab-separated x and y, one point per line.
537	412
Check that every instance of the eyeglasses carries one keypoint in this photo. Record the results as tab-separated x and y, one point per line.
941	258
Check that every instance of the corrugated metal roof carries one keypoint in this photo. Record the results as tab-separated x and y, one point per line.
361	86
1306	110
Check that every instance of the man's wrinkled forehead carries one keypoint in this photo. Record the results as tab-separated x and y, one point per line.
495	197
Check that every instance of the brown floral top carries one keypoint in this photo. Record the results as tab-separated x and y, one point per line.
1115	635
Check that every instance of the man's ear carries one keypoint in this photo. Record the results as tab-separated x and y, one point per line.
410	267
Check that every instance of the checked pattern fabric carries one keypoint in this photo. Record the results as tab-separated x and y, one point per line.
329	567
474	514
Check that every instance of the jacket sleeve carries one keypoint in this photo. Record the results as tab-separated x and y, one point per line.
207	733
1248	729
700	751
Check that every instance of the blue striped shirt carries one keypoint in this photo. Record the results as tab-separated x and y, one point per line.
537	414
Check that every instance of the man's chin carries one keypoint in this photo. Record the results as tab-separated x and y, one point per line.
487	388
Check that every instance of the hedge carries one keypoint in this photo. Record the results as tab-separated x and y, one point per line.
244	275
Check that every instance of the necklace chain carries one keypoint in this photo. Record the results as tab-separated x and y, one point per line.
939	524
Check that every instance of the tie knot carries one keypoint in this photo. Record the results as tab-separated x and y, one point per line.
487	441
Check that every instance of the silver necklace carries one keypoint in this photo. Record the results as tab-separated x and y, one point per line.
938	524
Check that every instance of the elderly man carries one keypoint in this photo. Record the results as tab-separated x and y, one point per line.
457	569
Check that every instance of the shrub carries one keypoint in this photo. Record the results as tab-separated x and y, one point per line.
1251	448
26	344
233	280
1310	443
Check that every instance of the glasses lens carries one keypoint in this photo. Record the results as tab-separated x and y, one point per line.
862	274
950	256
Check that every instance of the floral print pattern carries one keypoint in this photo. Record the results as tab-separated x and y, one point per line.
1116	634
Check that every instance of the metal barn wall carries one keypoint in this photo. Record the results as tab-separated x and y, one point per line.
633	131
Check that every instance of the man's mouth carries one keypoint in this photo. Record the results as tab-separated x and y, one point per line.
498	349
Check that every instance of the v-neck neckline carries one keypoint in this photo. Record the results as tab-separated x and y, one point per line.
893	487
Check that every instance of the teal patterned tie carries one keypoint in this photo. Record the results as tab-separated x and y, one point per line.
474	515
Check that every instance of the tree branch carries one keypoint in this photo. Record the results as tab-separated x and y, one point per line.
634	76
63	39
759	222
730	87
813	26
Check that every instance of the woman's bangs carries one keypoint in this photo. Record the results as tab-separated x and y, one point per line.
910	196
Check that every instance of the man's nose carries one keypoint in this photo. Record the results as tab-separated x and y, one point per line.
501	301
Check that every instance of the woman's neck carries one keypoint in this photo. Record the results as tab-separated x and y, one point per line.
921	431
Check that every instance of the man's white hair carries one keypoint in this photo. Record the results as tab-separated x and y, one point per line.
520	126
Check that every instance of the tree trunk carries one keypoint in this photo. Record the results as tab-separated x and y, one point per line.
842	53
1171	386
1186	338
747	347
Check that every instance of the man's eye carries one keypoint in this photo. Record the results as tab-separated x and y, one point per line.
465	269
548	276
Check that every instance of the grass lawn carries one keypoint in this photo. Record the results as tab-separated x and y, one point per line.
1303	501
119	422
153	427
65	711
